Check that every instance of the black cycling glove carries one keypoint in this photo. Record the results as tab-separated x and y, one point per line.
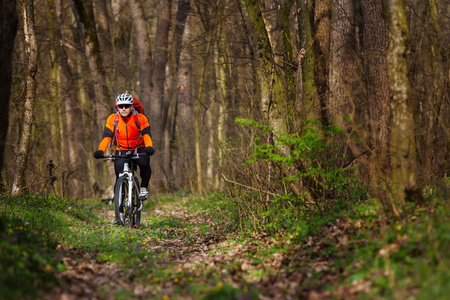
98	154
149	150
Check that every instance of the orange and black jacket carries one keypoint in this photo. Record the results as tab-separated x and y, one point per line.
127	135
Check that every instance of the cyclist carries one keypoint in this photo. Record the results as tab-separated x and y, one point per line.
131	132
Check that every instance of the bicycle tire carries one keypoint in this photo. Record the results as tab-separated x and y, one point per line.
136	204
131	219
120	193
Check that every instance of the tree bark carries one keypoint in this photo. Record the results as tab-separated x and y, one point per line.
144	51
31	45
84	15
321	37
198	108
307	101
66	94
342	64
8	29
185	111
155	105
375	42
103	28
275	108
222	96
403	145
429	75
103	103
170	108
272	102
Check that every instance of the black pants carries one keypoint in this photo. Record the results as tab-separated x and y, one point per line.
144	166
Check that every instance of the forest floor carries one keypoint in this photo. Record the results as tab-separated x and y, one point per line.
204	263
191	247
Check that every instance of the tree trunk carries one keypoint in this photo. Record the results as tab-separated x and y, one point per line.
103	104
92	176
122	36
8	25
211	118
198	109
180	78
321	37
307	102
155	106
272	101
84	15
31	45
429	75
375	42
342	64
144	51
347	107
58	150
222	96
66	97
403	145
183	160
275	108
103	28
103	32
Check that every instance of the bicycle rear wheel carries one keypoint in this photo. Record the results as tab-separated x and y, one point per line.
120	195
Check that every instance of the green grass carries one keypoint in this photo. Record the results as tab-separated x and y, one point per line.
30	229
340	250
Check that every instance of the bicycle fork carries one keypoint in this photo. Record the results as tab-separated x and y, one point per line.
140	202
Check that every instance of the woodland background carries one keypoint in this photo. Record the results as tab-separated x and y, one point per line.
369	78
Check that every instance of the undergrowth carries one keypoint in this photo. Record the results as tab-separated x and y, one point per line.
357	251
31	226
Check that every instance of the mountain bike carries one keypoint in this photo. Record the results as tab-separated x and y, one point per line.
127	204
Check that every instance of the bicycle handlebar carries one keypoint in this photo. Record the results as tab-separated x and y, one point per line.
125	156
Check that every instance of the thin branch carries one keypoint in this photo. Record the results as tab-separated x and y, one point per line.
248	187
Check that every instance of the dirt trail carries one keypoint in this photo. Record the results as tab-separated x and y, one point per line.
86	277
208	255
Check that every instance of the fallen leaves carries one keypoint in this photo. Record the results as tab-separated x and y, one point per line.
278	267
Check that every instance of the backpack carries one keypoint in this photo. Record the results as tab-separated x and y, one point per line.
137	108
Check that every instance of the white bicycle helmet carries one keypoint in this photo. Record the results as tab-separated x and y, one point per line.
124	99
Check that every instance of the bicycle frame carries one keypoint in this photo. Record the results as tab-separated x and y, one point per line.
127	209
129	173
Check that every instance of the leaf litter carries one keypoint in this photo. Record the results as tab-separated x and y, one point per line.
272	267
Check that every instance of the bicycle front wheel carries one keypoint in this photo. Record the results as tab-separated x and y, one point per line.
120	196
136	205
129	208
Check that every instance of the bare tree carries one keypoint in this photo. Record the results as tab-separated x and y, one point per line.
429	74
31	45
144	51
8	25
276	108
307	100
374	47
83	12
321	37
102	21
343	76
66	98
403	145
181	159
156	103
84	15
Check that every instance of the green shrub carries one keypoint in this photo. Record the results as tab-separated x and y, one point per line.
315	157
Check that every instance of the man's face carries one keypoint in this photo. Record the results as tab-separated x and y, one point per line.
125	110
